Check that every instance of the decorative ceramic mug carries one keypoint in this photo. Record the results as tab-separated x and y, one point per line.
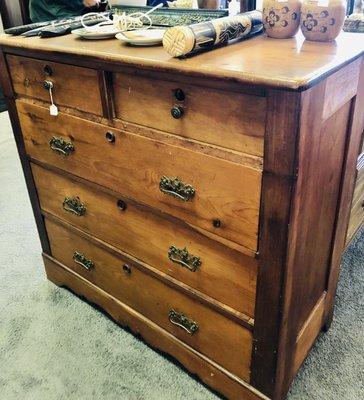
281	19
322	21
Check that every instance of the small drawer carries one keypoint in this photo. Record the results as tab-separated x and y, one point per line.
216	195
73	87
219	338
227	119
173	248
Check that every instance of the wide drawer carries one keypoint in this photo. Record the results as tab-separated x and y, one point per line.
74	87
214	194
175	249
205	330
228	119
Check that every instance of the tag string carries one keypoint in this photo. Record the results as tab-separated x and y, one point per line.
51	96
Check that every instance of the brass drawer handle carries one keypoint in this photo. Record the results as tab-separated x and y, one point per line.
176	188
61	146
74	205
182	321
80	259
184	258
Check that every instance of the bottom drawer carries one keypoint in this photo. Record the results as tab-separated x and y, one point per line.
212	334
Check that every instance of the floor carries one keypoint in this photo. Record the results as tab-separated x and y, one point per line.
53	346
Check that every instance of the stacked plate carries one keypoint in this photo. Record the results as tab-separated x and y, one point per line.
142	37
139	37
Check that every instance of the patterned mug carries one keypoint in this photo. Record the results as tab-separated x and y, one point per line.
281	19
322	20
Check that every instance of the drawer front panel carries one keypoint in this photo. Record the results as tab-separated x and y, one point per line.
219	338
74	87
357	208
212	268
227	119
226	195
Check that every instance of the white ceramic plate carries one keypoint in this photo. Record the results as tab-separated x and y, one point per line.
142	37
103	32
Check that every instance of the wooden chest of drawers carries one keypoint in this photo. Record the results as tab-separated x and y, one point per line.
203	203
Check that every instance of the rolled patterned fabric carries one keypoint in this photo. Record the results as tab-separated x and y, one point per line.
184	40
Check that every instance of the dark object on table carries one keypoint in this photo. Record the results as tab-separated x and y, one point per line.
354	23
175	16
14	12
55	28
52	31
18	30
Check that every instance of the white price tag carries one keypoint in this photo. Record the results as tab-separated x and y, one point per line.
53	109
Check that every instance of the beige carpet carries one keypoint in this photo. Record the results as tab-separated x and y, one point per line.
53	346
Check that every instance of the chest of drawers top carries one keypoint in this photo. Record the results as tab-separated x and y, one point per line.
293	64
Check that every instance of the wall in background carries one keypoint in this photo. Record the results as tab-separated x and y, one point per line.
11	12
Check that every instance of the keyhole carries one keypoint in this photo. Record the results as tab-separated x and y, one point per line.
126	269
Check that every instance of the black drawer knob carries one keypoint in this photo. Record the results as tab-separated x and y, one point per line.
48	85
177	112
110	137
179	94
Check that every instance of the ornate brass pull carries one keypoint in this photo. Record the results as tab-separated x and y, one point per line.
61	146
184	258
74	205
182	321
176	188
80	259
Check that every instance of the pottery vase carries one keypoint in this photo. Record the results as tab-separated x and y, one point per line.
281	19
322	21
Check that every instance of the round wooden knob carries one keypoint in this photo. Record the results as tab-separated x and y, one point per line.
177	112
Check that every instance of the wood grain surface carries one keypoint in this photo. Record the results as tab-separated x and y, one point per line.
225	274
154	300
198	364
134	166
258	61
297	202
72	86
237	121
353	146
278	180
321	154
